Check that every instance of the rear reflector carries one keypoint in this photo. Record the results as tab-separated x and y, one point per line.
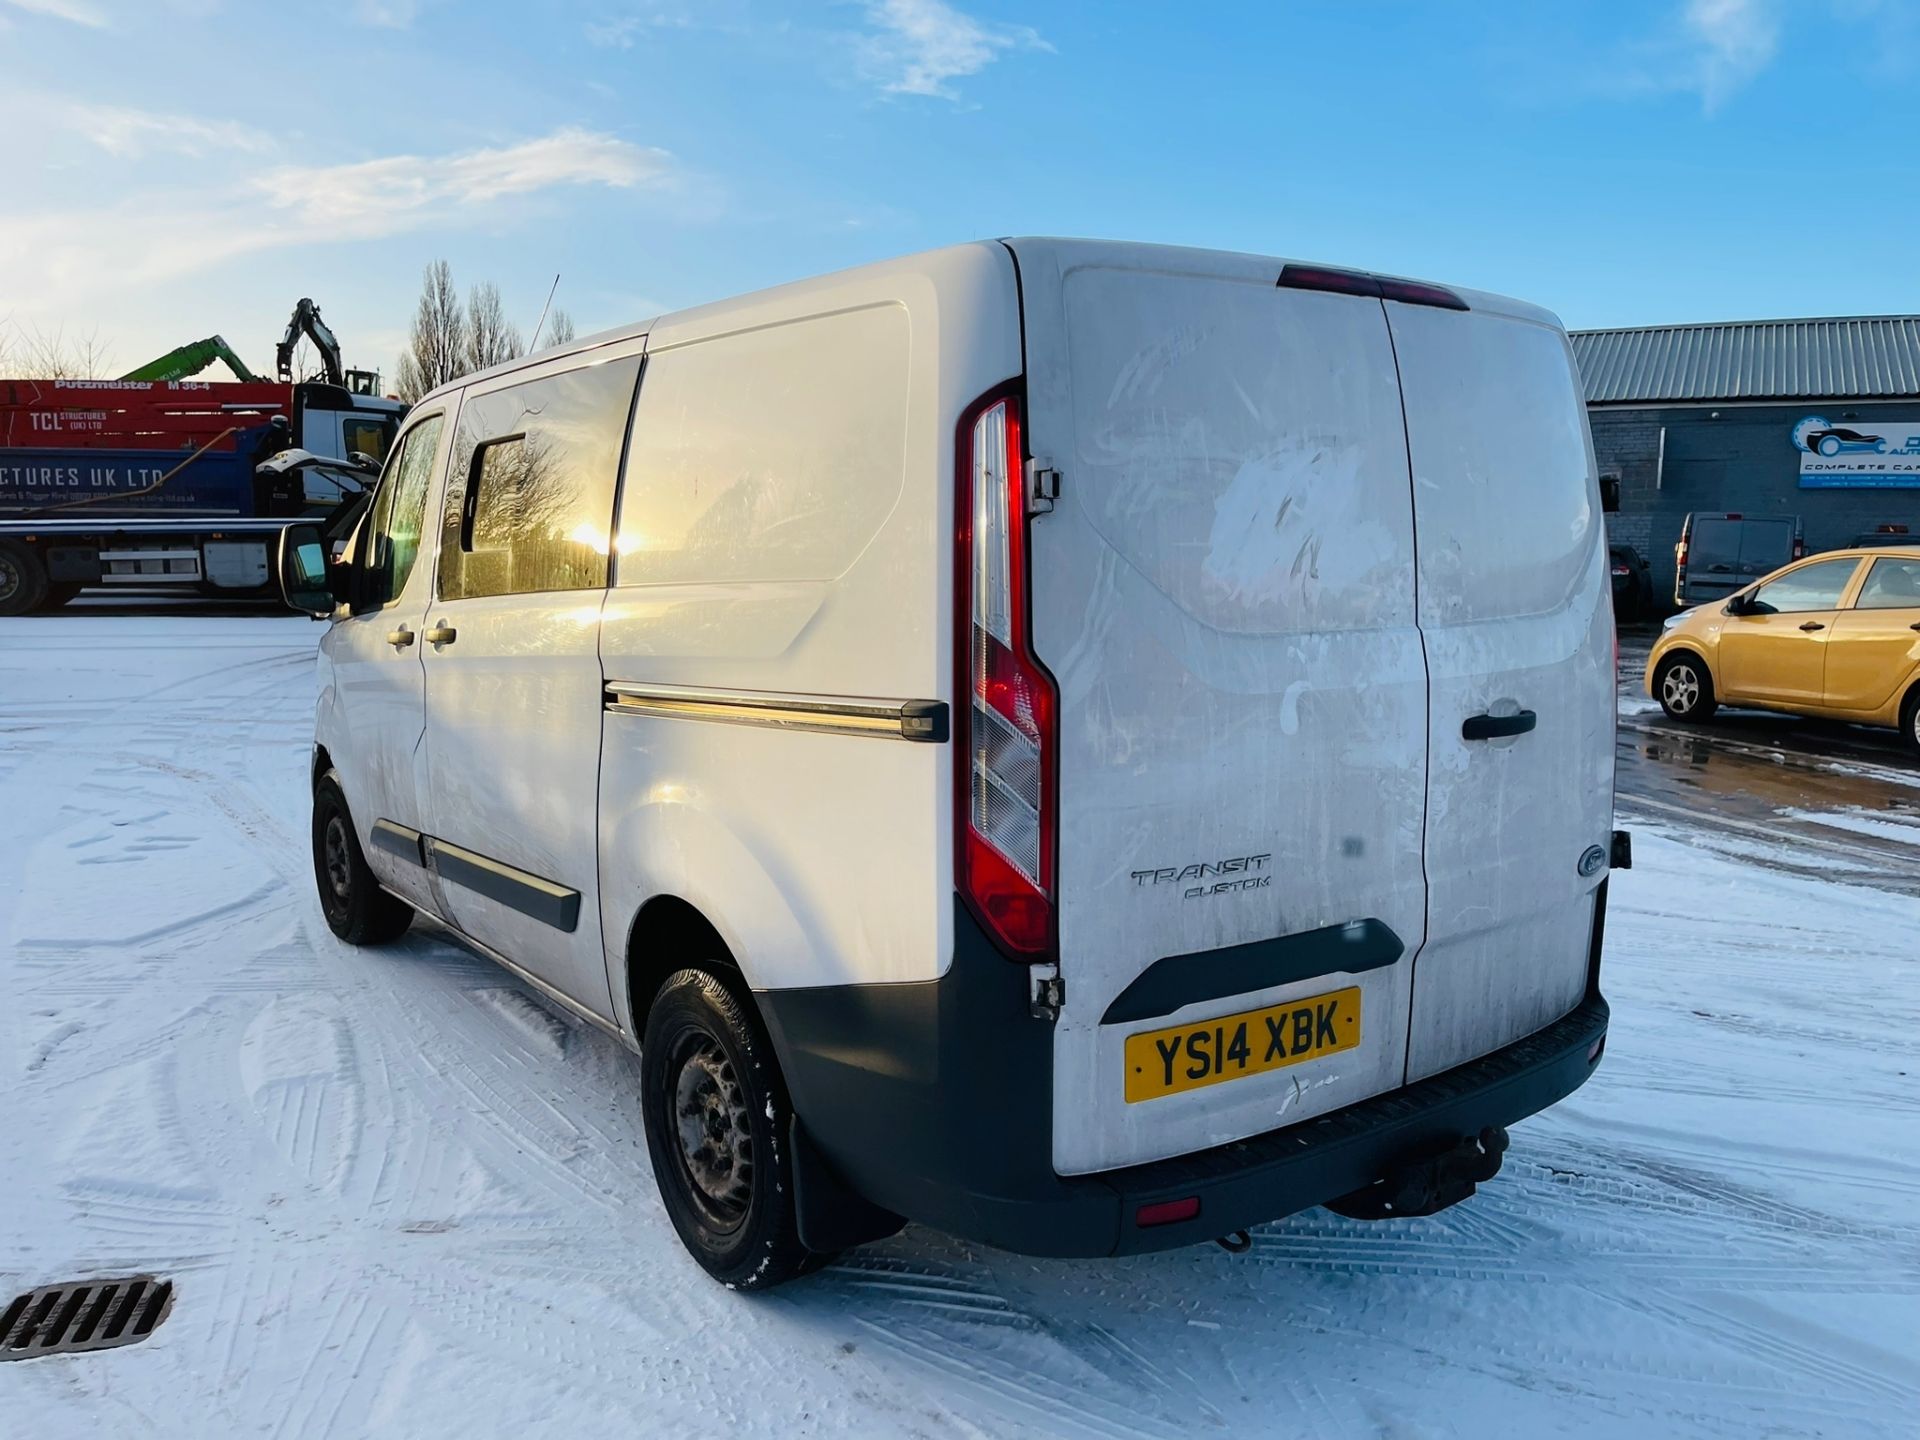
1355	282
1166	1212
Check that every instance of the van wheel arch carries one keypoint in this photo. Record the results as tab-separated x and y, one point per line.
322	763
670	934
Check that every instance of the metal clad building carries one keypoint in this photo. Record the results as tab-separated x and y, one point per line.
1815	418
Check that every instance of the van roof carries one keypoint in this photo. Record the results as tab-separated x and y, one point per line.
1067	252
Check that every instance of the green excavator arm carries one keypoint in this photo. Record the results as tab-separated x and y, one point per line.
191	360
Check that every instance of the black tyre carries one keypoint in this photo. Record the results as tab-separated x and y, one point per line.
717	1118
357	909
1684	687
1910	720
23	579
60	593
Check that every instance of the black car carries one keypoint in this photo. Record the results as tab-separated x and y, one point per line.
1632	583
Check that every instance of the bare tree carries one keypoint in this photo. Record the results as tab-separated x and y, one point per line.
51	355
491	337
559	329
437	343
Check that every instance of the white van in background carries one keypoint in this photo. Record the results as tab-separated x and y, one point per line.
1087	746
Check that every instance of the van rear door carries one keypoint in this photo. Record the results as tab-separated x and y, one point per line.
1713	558
1224	592
1516	613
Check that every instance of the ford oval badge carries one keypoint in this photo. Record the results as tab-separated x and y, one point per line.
1593	862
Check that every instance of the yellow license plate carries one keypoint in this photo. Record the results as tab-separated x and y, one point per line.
1206	1052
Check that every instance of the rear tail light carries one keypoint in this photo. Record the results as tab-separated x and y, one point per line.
1006	703
1799	548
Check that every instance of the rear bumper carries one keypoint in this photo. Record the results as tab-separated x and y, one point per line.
1260	1179
935	1101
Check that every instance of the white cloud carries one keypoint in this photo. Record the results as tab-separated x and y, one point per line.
57	259
404	192
614	34
921	45
387	14
123	130
1735	40
77	12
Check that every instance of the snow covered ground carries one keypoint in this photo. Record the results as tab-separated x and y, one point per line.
403	1198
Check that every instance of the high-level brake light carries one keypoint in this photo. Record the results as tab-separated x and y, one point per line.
1380	287
1006	710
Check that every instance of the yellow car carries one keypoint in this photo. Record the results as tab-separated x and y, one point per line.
1834	635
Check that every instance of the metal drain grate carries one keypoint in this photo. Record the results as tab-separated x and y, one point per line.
84	1315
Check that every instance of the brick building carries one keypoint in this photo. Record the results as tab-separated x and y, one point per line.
1736	418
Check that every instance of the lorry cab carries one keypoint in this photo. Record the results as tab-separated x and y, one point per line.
1087	746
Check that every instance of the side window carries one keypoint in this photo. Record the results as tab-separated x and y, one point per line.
1891	585
1811	587
399	514
529	502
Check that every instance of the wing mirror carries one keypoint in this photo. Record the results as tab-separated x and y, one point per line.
1740	605
306	577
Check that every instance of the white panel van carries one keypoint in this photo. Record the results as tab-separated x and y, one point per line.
1087	746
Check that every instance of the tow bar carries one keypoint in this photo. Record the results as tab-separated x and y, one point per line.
1428	1184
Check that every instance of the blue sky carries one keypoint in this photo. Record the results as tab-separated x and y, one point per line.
180	167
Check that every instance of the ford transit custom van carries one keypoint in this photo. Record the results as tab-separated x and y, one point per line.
1087	746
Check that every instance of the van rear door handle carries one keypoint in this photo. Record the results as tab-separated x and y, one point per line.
1813	625
1495	727
400	639
442	634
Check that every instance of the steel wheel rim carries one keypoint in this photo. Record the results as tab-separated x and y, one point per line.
336	859
9	578
712	1131
1680	688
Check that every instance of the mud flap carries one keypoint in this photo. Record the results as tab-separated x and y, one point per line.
1428	1185
832	1216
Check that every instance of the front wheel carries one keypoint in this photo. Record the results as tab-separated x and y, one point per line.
1684	688
357	909
717	1118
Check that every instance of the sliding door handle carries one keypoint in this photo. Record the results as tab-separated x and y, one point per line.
442	634
400	639
1497	727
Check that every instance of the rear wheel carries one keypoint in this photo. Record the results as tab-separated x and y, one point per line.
1910	720
717	1118
357	909
1684	687
23	579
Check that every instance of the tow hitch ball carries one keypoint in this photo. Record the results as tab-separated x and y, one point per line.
1426	1185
